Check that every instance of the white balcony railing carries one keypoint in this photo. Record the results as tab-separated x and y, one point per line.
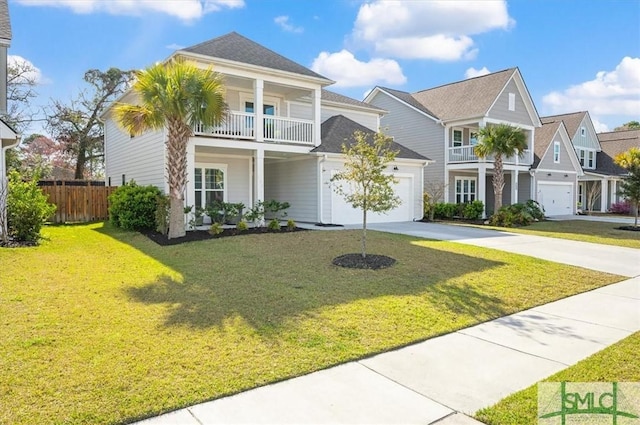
241	125
466	154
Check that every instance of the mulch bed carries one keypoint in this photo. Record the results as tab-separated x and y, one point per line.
16	244
371	261
201	235
631	228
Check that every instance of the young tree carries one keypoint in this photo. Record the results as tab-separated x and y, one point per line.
630	187
176	95
77	126
433	193
22	78
368	187
500	141
593	194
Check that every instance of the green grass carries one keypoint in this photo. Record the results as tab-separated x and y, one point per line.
616	363
580	230
104	326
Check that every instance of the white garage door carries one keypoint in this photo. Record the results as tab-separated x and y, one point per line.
343	213
557	199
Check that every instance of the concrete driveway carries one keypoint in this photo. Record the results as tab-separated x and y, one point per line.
605	258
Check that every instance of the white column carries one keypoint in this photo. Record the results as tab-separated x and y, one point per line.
258	109
614	190
604	186
259	175
446	184
482	187
317	116
514	187
190	195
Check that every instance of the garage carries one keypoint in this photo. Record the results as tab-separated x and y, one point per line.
556	198
343	213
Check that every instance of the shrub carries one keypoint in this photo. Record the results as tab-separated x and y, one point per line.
242	226
133	207
27	209
274	225
511	216
162	214
623	207
444	210
291	225
472	210
216	229
426	206
535	209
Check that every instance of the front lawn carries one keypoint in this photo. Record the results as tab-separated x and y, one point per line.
104	326
580	230
616	363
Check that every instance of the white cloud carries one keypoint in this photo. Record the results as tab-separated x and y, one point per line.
174	46
437	29
614	92
27	71
600	127
186	10
472	72
284	23
348	71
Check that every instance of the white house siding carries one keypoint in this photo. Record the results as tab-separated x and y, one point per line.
500	109
590	139
238	177
330	166
235	101
140	158
416	131
296	182
303	111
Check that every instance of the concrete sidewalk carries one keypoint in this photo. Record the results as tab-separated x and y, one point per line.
441	379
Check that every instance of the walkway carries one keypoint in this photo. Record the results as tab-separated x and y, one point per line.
441	380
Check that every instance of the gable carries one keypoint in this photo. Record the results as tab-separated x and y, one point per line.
521	114
590	139
568	159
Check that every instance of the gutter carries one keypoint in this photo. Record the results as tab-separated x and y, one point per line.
321	160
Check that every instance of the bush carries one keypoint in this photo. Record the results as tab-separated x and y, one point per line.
535	209
623	207
511	216
162	214
291	225
133	207
444	210
426	206
274	225
242	226
27	209
216	229
472	210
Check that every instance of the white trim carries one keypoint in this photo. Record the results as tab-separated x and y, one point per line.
512	102
555	183
556	155
379	90
211	166
545	170
457	178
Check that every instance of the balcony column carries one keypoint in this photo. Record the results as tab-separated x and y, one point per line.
258	110
614	190
604	186
190	195
317	116
482	187
514	186
258	176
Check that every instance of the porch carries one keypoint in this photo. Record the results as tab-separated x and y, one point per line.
462	140
597	193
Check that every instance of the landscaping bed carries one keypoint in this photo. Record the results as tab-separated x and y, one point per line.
202	235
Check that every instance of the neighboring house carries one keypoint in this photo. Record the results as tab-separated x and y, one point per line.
555	169
442	123
612	144
281	140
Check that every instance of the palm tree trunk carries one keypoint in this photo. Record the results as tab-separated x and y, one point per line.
176	148
498	182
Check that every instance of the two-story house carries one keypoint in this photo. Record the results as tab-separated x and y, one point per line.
443	122
8	136
613	143
281	140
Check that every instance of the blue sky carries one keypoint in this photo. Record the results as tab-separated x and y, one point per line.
573	54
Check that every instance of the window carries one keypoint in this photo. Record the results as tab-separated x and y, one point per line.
581	155
465	189
556	152
209	185
512	101
457	138
473	139
266	108
583	132
591	159
580	194
587	158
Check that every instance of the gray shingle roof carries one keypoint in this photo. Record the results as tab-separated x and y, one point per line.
338	98
614	143
571	121
543	138
5	23
469	98
339	129
235	47
409	99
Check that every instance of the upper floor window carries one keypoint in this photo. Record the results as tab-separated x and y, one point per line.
473	139
457	138
512	101
587	158
583	132
556	152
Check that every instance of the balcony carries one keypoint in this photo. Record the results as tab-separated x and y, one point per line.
460	154
241	126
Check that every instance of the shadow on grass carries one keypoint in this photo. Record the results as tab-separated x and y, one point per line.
272	278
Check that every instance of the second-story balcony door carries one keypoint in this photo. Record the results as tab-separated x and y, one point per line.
267	110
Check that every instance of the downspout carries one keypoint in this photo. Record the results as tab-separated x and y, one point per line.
321	161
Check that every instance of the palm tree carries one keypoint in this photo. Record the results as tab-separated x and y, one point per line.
630	187
176	95
500	141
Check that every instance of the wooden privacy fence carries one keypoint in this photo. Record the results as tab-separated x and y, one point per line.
78	201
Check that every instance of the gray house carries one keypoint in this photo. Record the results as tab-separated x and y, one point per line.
442	124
